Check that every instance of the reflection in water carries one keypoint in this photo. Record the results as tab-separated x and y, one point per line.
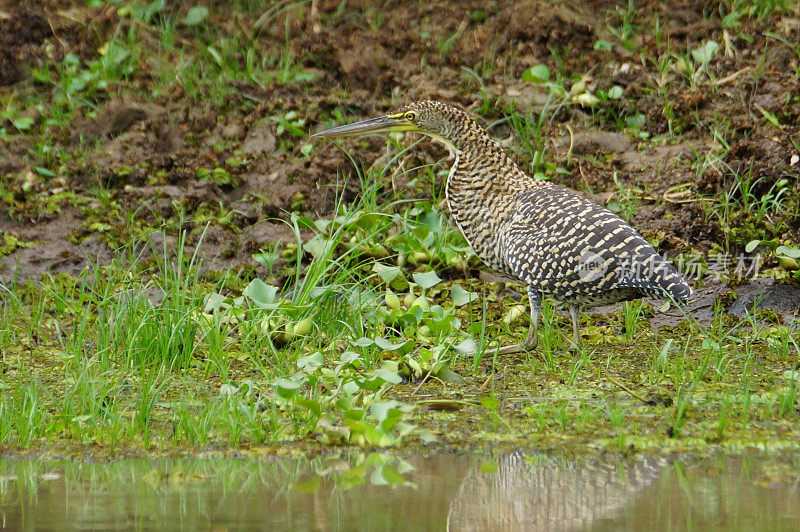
548	493
383	492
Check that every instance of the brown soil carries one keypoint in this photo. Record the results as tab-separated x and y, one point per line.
146	151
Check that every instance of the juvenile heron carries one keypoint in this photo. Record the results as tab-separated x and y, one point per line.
554	241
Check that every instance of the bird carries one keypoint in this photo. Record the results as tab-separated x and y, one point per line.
532	491
553	240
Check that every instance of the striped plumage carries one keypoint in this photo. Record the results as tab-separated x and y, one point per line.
556	242
544	492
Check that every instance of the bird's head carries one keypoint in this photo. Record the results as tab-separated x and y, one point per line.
437	120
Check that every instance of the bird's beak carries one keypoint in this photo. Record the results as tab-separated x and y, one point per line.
382	124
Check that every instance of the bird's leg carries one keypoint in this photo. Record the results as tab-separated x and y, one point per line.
576	332
532	339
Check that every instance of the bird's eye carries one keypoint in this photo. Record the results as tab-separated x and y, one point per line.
411	116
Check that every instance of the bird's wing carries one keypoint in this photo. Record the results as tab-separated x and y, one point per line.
568	246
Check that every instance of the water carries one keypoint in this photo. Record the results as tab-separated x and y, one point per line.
383	492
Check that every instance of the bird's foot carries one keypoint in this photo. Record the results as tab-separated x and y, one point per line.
527	345
573	344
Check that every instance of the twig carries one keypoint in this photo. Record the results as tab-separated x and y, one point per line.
682	193
631	392
732	77
424	379
585	181
571	144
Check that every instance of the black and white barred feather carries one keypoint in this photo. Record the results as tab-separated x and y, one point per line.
553	240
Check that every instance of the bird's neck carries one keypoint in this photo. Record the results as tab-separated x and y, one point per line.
480	192
482	163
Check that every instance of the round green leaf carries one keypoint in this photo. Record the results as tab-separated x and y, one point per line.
536	74
615	92
460	296
427	280
753	244
195	16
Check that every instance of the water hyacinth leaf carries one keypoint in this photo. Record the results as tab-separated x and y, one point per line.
227	390
786	251
215	302
391	299
393	416
490	403
460	296
399	283
441	327
322	225
318	247
421	303
292	311
636	121
286	384
412	317
705	52
310	362
388	374
403	467
386	345
309	486
448	375
437	312
363	342
195	16
348	357
404	429
380	409
752	245
392	419
536	74
304	222
467	347
410	369
376	478
615	92
386	273
319	291
285	387
427	437
426	280
262	294
312	406
601	44
401	347
344	404
389	476
351	388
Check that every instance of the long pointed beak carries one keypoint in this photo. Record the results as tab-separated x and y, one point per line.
382	124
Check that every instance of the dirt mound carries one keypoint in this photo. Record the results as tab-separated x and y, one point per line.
22	31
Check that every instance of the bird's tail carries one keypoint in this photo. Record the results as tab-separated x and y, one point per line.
658	278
